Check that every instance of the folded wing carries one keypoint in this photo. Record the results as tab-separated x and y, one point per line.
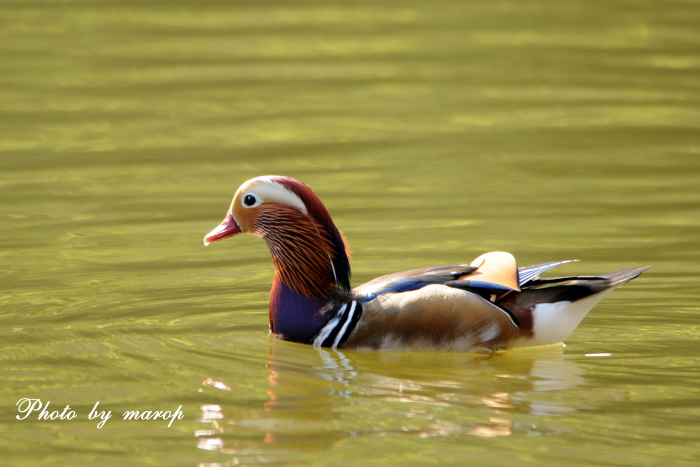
491	272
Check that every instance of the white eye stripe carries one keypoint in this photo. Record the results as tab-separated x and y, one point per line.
267	191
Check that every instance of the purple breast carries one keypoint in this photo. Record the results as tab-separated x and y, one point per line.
293	316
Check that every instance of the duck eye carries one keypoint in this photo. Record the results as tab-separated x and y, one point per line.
249	200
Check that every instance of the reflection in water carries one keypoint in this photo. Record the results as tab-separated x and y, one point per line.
336	368
316	398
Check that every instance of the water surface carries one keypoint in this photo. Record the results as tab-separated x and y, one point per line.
433	132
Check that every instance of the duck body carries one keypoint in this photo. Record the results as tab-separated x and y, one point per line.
490	304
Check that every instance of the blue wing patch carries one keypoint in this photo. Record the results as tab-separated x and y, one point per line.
409	284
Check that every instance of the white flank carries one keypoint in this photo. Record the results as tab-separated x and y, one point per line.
553	322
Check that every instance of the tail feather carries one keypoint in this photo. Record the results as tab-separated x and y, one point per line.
610	279
541	292
548	310
623	275
592	283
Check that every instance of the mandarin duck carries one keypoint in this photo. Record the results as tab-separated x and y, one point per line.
487	305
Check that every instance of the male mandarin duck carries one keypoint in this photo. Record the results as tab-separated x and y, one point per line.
489	304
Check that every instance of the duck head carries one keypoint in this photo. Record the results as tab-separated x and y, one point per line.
310	254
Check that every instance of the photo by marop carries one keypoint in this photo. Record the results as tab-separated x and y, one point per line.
440	199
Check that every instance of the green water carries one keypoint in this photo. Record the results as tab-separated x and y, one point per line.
434	131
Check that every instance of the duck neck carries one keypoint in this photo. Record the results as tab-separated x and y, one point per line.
294	316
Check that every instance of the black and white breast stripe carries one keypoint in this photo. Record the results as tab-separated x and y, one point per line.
336	332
